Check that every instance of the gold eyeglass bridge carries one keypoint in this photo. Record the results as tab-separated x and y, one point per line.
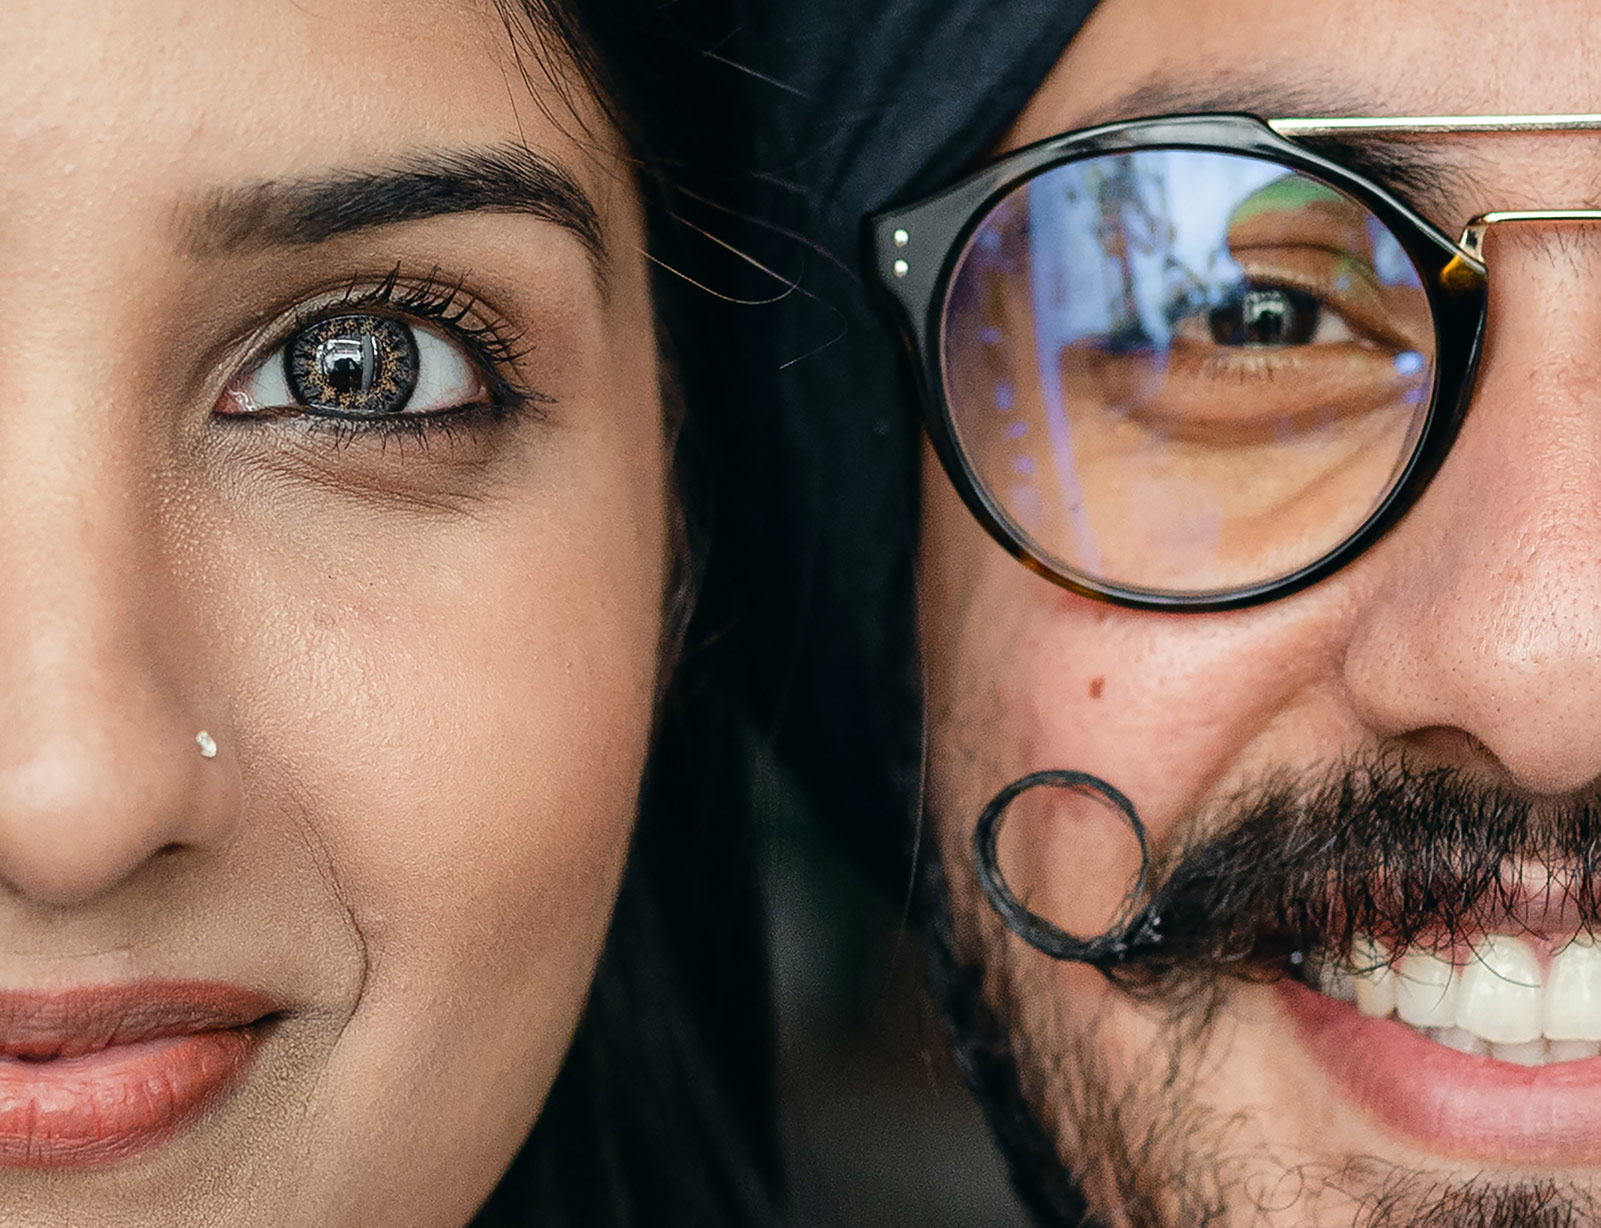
1471	243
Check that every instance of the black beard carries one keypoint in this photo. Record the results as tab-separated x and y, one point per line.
1378	848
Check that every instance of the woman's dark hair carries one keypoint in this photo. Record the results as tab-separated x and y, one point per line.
664	1111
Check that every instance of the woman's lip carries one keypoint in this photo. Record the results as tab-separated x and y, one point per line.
96	1074
84	1019
1446	1102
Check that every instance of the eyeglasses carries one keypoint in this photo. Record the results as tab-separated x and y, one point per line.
1185	363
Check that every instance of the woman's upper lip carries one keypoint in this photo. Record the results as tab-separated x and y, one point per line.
37	1025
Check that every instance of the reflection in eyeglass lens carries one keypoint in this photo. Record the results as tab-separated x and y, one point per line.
1185	371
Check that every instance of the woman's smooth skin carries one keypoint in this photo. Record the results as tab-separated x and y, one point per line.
427	652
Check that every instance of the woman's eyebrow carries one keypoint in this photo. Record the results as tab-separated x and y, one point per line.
314	208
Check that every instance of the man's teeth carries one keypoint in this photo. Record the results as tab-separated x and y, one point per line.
1499	992
1573	994
1426	990
1499	1002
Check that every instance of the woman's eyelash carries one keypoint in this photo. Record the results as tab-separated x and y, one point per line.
403	360
439	301
454	310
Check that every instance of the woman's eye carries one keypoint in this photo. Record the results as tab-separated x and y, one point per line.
1276	316
361	367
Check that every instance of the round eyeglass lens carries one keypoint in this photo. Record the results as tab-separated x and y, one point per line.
1183	372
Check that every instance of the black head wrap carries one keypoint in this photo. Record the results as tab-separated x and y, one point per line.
864	103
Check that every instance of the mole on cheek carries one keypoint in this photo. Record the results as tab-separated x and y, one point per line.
1096	687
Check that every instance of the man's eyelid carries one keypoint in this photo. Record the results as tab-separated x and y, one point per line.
1368	312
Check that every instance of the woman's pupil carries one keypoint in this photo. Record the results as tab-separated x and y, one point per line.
348	363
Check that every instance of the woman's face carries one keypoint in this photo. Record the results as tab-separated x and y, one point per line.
420	622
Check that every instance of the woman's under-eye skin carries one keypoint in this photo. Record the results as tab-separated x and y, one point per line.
293	456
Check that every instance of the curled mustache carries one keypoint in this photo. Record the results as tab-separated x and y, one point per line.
1414	856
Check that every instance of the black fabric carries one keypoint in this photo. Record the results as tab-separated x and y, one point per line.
864	103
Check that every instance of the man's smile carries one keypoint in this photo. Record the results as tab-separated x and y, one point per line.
1443	1086
1530	1000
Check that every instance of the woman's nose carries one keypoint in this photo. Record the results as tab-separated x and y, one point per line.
101	693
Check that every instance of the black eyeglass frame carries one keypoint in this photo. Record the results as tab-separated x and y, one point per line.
912	253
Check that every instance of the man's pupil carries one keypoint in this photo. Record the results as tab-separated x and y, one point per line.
1266	315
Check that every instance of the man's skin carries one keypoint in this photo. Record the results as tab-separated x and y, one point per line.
1469	638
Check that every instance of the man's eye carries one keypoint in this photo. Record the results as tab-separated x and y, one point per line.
359	367
1275	316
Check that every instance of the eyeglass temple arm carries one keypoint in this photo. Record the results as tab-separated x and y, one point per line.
1423	125
1472	241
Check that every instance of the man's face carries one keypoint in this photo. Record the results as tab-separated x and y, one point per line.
1464	648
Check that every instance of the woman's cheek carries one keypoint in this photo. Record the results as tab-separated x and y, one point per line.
458	716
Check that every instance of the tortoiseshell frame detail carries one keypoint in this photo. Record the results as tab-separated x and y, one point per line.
912	254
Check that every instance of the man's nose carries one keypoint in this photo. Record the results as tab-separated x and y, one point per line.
100	771
1485	617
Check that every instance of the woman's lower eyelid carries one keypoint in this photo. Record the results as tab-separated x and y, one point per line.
422	428
484	412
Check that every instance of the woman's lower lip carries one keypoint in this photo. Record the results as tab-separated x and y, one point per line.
113	1104
1449	1103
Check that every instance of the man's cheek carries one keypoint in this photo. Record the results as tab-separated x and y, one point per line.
1158	706
1166	710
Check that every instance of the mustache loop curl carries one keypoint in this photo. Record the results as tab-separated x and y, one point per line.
1135	928
1301	867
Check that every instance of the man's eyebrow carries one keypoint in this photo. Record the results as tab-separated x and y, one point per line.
315	208
1428	178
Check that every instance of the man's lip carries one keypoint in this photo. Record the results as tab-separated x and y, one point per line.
72	1022
1450	1104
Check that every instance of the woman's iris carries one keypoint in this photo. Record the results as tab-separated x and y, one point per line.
357	365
